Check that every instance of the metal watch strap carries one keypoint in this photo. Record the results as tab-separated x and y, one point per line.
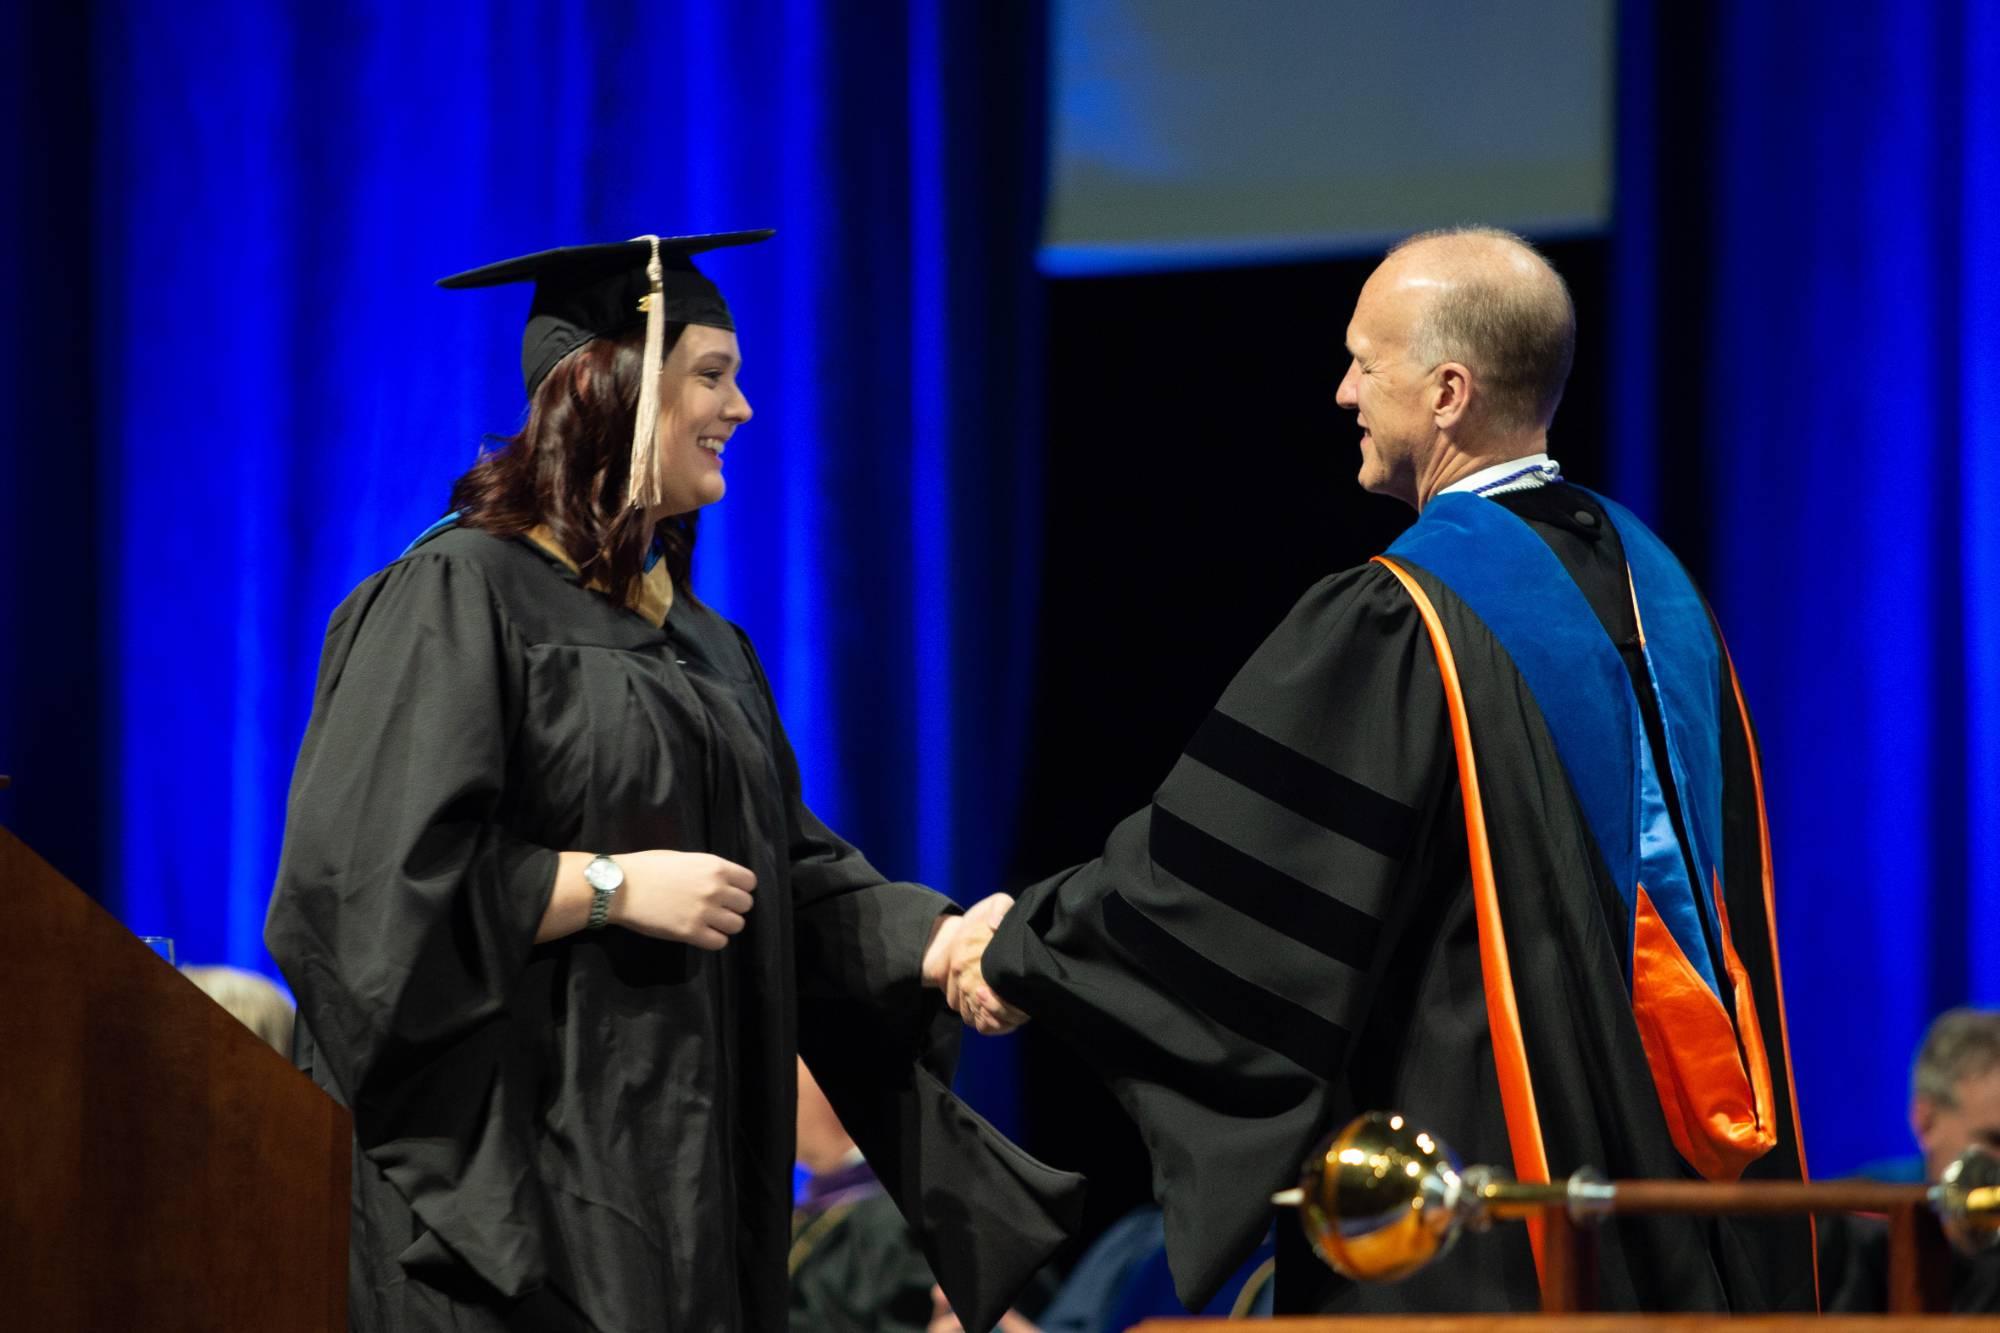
605	878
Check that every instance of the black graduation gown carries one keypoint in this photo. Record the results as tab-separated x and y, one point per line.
597	1133
1285	937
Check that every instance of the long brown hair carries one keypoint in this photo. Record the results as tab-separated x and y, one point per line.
568	466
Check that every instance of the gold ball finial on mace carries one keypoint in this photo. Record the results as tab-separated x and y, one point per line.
1382	1198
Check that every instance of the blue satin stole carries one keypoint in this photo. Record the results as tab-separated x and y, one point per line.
1506	574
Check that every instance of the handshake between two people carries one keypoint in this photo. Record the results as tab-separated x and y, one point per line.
952	965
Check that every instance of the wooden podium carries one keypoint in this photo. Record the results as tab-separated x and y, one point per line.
160	1167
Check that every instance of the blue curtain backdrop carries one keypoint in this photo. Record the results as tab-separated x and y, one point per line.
1808	265
231	392
258	198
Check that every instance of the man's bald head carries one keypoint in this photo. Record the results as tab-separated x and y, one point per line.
1487	299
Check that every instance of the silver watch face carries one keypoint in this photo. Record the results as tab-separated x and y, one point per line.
603	874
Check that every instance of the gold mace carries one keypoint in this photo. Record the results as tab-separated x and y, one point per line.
1382	1198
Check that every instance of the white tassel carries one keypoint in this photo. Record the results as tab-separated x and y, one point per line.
643	485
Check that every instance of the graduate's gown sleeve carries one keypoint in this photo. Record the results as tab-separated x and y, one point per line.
403	912
1216	962
985	1214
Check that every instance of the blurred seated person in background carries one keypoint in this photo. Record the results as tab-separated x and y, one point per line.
1123	1279
943	1320
1954	1106
252	1000
1955	1088
854	1264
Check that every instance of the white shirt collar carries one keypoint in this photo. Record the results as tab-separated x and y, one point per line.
1516	474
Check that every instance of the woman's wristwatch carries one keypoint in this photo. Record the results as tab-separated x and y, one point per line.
605	879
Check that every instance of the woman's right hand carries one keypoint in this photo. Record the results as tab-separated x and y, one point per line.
692	897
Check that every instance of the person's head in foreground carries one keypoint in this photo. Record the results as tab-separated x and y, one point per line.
1459	348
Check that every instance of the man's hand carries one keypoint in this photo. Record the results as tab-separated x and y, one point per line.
952	963
965	987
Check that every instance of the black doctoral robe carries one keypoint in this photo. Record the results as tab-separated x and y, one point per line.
597	1133
1286	937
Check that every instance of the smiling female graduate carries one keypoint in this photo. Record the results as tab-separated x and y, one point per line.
554	910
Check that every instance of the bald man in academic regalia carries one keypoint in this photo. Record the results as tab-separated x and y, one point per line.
1477	834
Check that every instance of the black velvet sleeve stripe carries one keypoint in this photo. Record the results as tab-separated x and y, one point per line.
1304	786
1301	1036
1296	910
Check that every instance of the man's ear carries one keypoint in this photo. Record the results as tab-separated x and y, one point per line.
1923	1116
1451	394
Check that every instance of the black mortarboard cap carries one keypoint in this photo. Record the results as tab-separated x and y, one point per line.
591	291
594	291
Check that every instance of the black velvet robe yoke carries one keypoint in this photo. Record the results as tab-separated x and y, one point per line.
1286	937
595	1133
